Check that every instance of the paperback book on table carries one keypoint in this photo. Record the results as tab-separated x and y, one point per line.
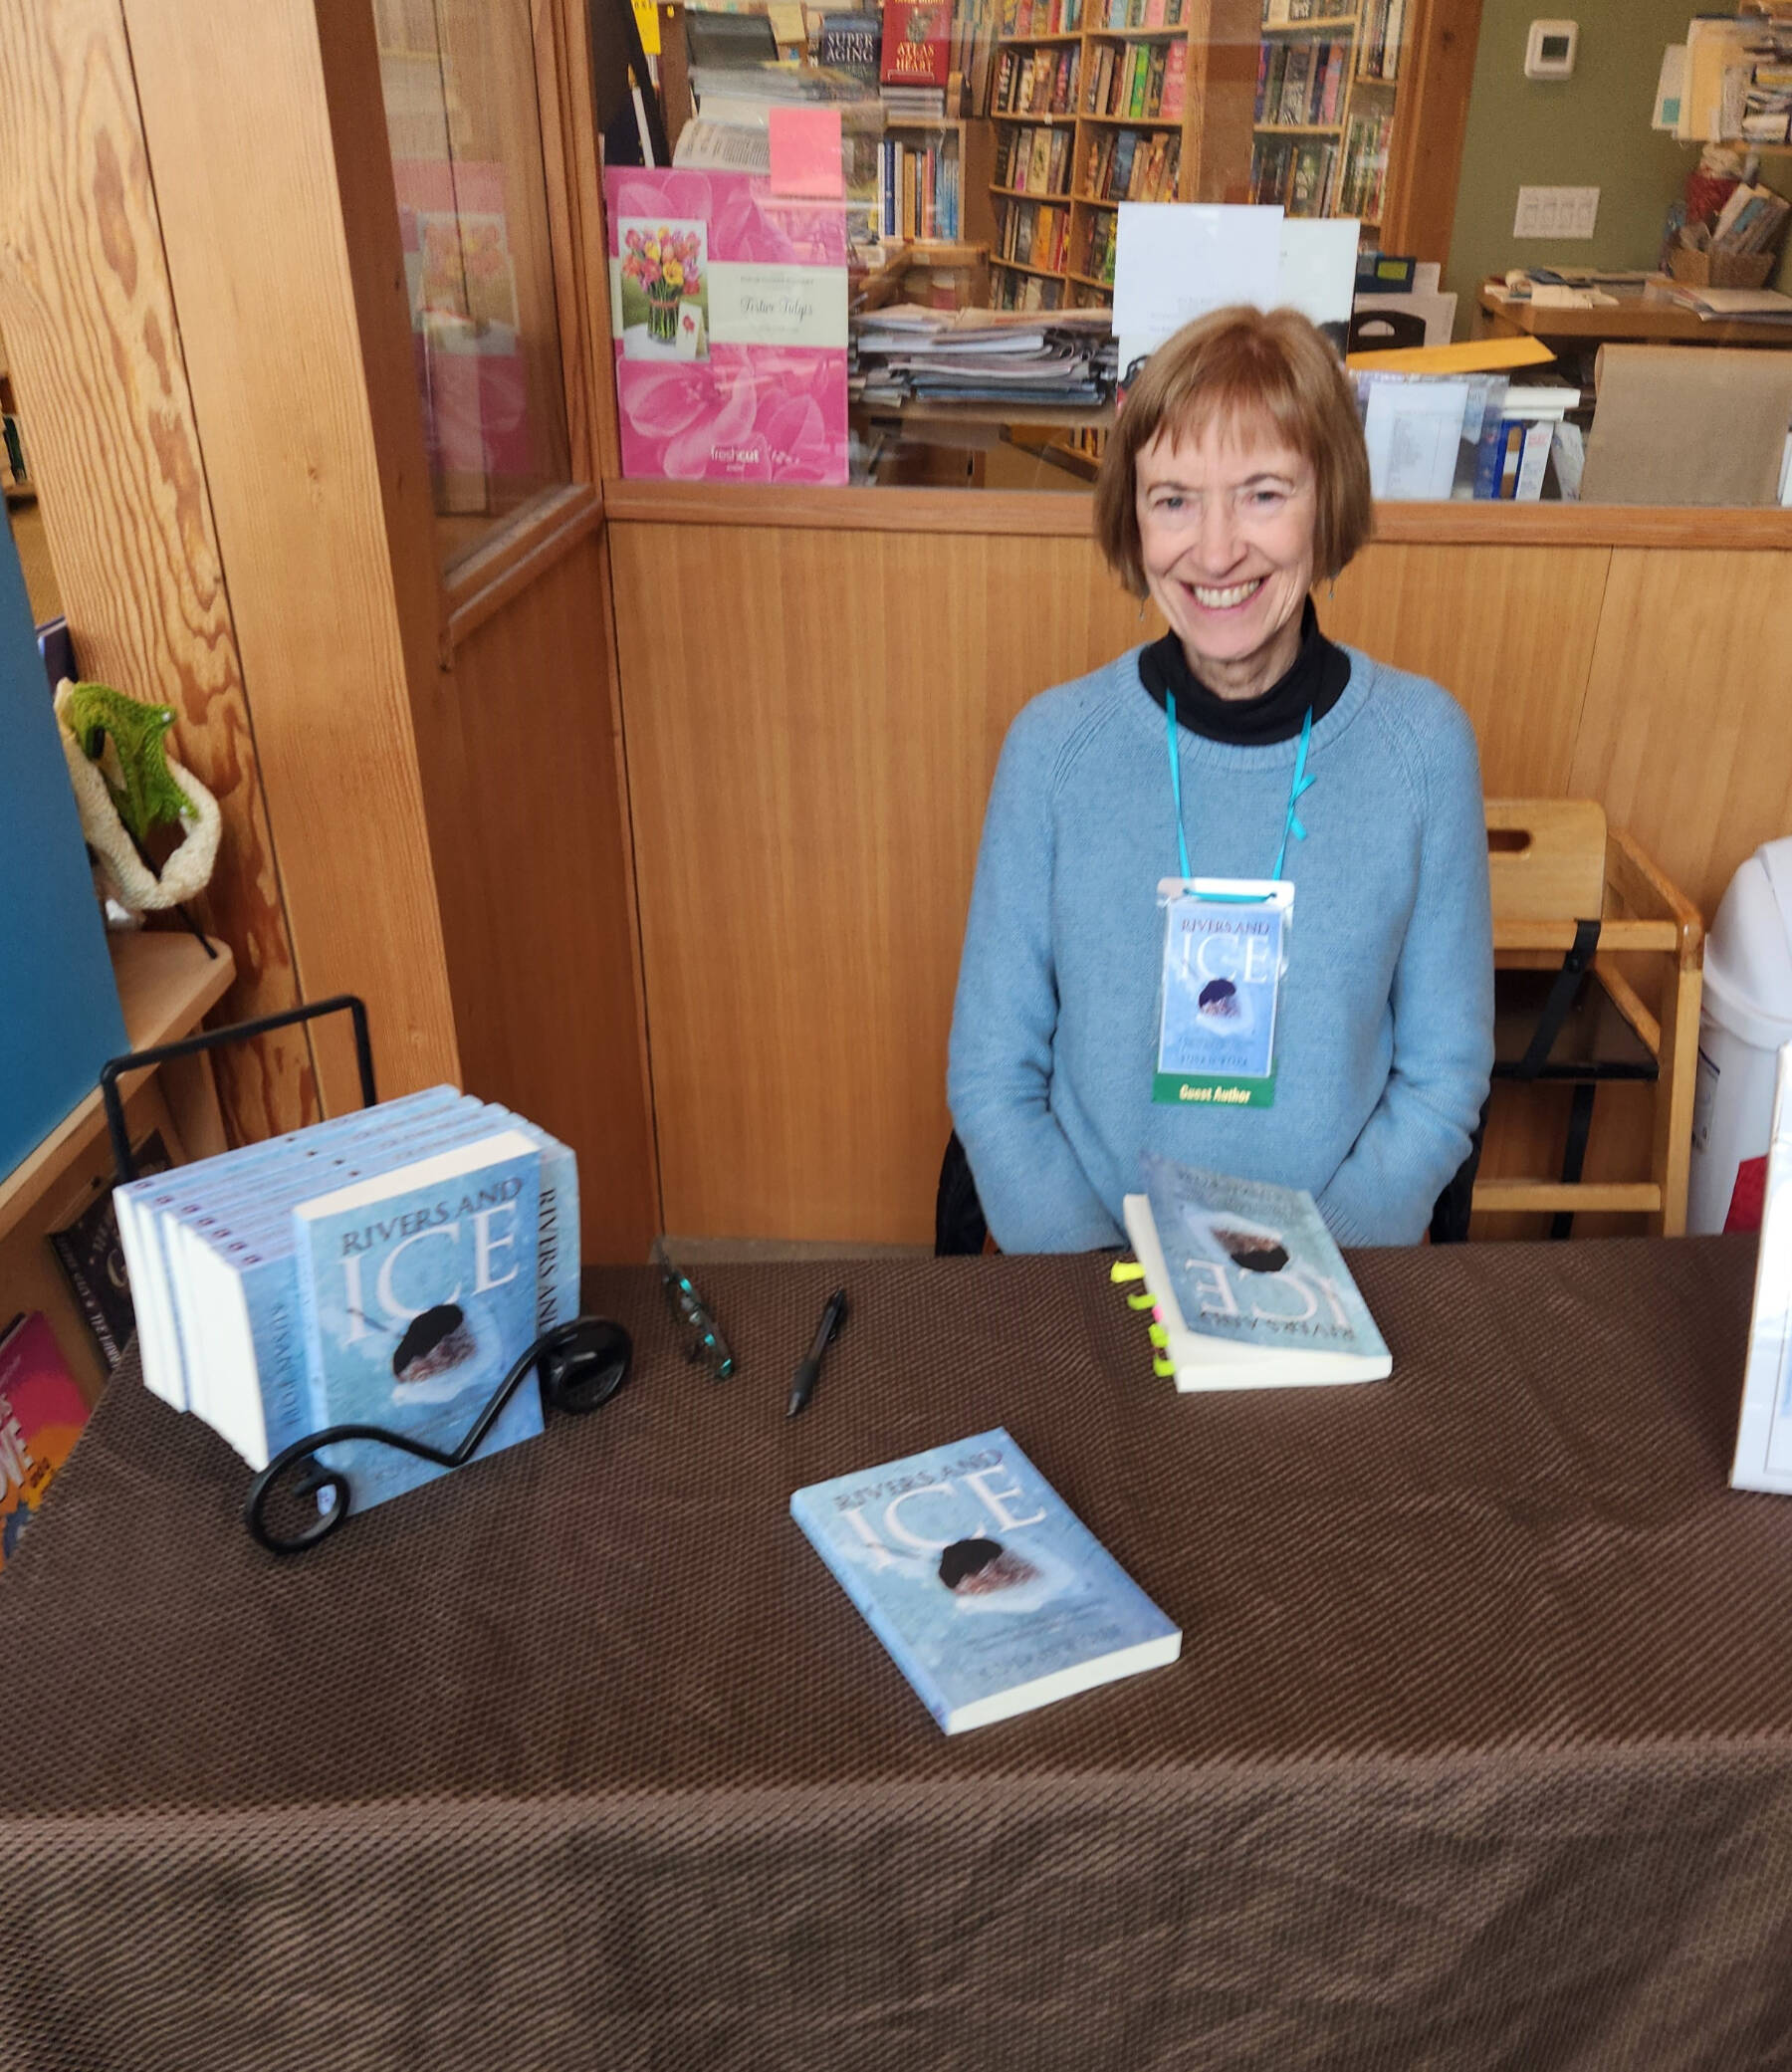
1248	1287
385	1267
990	1594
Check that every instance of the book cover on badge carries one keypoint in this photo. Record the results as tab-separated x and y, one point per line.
1249	1286
1222	961
990	1594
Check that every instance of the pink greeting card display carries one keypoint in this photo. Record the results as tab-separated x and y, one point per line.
729	308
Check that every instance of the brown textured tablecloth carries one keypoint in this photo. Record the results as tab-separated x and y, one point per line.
1478	1754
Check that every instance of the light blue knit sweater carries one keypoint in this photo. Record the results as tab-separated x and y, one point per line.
1385	1032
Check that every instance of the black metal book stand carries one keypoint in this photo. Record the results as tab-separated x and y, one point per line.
298	1499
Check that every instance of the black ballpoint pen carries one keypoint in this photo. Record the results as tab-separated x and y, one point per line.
803	1382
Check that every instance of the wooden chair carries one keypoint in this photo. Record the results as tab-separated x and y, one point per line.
1578	912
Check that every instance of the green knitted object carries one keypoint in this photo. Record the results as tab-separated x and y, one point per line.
149	798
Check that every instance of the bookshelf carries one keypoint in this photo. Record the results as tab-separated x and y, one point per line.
1138	88
1125	91
1325	103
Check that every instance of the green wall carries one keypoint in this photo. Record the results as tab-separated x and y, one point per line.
1591	131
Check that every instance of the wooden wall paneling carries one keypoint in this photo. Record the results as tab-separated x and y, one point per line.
237	118
808	770
1510	631
537	899
1698	643
89	312
1431	119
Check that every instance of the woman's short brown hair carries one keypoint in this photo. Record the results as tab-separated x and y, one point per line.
1234	366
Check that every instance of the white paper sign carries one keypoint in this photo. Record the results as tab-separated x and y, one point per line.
757	304
1318	270
1413	431
1175	261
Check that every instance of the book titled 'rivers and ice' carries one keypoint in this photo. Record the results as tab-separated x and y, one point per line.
990	1594
386	1267
1251	1290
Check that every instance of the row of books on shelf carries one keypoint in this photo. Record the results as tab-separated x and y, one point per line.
1365	165
1033	162
1295	174
1114	17
1301	83
1143	80
1024	292
1289	13
1036	235
1132	165
1382	31
1041	17
919	188
1095	259
1040	82
1108	17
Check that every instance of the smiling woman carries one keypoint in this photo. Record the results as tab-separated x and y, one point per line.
1138	972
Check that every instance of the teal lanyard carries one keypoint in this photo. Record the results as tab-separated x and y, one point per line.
1302	782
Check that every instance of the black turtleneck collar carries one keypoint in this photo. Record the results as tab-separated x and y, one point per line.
1315	681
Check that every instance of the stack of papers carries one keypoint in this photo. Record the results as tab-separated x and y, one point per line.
1728	304
983	356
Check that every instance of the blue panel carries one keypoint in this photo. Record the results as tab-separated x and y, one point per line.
59	1009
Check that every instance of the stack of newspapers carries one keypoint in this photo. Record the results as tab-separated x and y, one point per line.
386	1267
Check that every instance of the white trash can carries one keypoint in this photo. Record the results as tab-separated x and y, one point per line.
1745	1017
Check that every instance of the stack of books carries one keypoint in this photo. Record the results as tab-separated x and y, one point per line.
1766	28
386	1267
917	59
970	357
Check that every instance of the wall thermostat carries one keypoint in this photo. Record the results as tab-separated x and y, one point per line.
1549	54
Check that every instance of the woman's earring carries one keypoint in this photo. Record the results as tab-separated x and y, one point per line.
1331	591
1141	608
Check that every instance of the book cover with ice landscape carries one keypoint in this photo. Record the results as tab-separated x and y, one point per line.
418	1291
988	1591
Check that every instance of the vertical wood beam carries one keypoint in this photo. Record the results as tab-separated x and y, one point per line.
291	409
1431	119
587	242
1223	63
88	315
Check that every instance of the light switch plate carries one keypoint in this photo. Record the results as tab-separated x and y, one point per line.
1556	212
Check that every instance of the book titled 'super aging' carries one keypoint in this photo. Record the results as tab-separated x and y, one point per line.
418	1292
1249	1286
990	1594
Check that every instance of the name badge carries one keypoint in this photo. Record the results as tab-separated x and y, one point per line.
1226	944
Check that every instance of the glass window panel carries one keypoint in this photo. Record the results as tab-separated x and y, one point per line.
458	80
987	187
